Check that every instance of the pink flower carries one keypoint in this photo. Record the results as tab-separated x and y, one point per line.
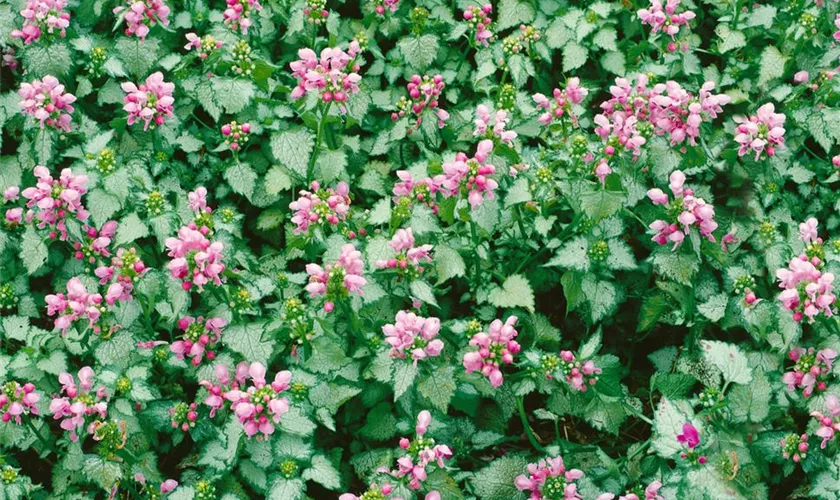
495	348
829	423
327	75
794	447
762	133
321	207
203	46
77	304
238	14
560	105
478	20
18	400
338	280
808	231
496	129
46	101
409	257
806	289
141	15
549	477
151	101
471	175
236	134
259	406
689	211
79	402
374	491
43	16
665	18
689	436
200	337
414	335
811	369
801	77
421	454
578	374
423	94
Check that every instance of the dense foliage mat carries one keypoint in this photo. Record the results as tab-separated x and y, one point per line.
419	249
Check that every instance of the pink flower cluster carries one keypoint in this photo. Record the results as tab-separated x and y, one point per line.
17	400
495	348
811	369
79	402
151	101
259	406
420	190
421	452
651	493
327	75
77	304
830	422
380	492
500	122
807	290
97	242
46	101
549	479
471	174
690	439
408	255
423	93
41	15
336	281
196	260
203	46
684	212
320	206
164	488
238	14
381	5
561	102
236	134
142	15
665	18
762	133
126	268
415	335
52	200
479	22
200	337
794	447
578	374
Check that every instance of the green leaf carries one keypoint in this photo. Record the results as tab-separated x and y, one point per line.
448	263
277	179
293	148
606	39
43	146
295	422
516	291
600	203
116	350
404	375
653	307
714	308
729	359
247	341
47	59
331	165
679	267
419	51
729	39
438	387
104	473
601	295
138	56
286	489
557	34
615	63
323	472
102	205
772	65
233	94
242	179
573	255
33	250
513	13
751	402
668	423
423	291
423	221
131	228
496	481
574	56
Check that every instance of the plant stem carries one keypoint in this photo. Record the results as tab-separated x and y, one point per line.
636	413
32	428
528	431
324	113
475	241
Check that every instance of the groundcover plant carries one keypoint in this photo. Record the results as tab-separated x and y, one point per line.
430	250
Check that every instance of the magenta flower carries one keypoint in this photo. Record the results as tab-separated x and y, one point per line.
125	270
164	487
811	369
794	447
762	133
549	479
18	400
651	493
414	335
79	402
807	290
200	338
41	16
215	391
478	20
495	348
484	128
238	14
141	15
690	437
327	75
320	207
77	304
685	211
421	454
423	94
46	101
195	259
808	231
51	201
151	101
96	242
829	423
410	258
203	46
470	175
579	374
561	102
236	134
665	18
260	406
382	5
338	280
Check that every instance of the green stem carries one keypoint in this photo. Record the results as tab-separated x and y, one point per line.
528	431
32	428
636	413
476	242
324	113
518	210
